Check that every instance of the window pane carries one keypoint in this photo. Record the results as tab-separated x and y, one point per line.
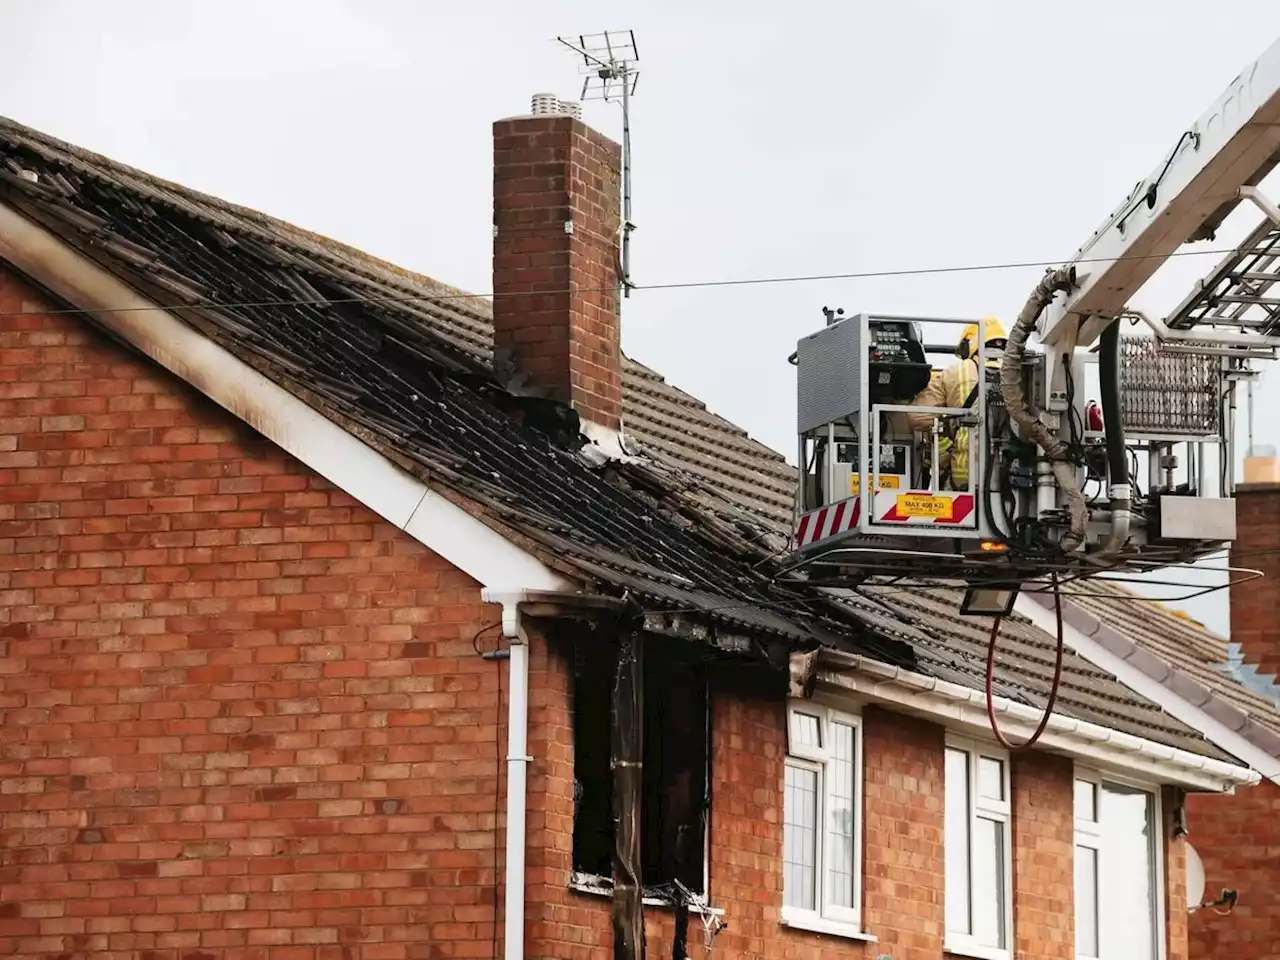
1086	901
1086	801
841	818
1127	887
988	883
990	778
806	730
800	835
956	832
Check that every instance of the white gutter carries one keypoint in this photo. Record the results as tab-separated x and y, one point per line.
1194	715
518	762
321	444
965	707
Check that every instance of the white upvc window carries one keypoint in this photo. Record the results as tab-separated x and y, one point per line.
822	820
979	850
1118	870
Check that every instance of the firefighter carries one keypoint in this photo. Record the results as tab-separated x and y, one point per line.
957	387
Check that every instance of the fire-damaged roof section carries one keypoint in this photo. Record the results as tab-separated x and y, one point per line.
403	363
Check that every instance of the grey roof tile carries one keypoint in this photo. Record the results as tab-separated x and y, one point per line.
1190	659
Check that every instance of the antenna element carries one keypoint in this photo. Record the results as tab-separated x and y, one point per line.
610	67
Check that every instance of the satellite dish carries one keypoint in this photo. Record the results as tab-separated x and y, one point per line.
1195	879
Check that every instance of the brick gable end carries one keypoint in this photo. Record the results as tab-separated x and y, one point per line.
238	711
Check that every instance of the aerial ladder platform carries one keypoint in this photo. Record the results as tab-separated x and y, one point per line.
1058	485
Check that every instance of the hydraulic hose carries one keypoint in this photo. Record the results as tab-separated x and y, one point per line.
1015	401
1121	493
1053	688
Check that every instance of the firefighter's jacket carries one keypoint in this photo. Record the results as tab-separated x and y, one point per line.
952	387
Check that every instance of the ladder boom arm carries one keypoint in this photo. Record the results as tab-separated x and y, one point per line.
1234	143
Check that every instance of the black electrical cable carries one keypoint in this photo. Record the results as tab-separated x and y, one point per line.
992	456
1074	422
497	656
433	298
1133	474
1112	415
1053	690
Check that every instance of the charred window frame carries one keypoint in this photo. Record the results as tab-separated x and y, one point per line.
676	766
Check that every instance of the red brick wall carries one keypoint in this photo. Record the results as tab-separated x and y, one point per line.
902	841
1043	841
555	293
1238	839
903	853
1254	603
1237	836
1175	871
903	878
240	716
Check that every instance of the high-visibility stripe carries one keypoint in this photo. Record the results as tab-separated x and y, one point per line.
828	521
835	520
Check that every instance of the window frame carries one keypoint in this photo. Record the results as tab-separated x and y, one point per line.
979	807
1088	833
826	917
590	882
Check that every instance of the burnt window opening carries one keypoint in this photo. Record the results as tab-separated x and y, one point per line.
676	735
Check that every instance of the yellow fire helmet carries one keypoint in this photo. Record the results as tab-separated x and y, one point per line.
993	330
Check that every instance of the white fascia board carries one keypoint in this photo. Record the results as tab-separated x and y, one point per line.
1151	689
964	709
350	465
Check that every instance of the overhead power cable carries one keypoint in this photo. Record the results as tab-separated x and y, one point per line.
433	298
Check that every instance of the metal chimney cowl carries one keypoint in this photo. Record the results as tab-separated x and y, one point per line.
548	104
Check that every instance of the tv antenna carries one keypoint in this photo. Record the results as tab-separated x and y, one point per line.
609	66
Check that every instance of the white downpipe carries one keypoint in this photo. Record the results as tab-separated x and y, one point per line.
517	785
518	761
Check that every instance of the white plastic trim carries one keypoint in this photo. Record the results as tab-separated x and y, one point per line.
964	709
322	445
804	920
1152	689
518	762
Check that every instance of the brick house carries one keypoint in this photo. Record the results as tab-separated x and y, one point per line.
314	575
1236	837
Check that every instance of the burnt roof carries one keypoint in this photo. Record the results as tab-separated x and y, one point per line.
404	363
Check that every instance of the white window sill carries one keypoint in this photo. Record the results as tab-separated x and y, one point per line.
603	887
975	951
803	920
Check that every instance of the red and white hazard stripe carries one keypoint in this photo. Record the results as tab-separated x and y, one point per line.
827	522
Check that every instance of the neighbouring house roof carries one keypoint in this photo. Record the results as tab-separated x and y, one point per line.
403	362
1188	657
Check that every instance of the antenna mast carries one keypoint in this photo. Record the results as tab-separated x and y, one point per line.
610	66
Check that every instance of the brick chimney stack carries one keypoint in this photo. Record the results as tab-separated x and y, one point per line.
556	218
1255	604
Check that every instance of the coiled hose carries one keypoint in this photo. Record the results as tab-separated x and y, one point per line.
1015	401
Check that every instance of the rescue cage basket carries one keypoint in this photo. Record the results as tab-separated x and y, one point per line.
857	378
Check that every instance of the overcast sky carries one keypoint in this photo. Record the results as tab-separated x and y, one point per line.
770	140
